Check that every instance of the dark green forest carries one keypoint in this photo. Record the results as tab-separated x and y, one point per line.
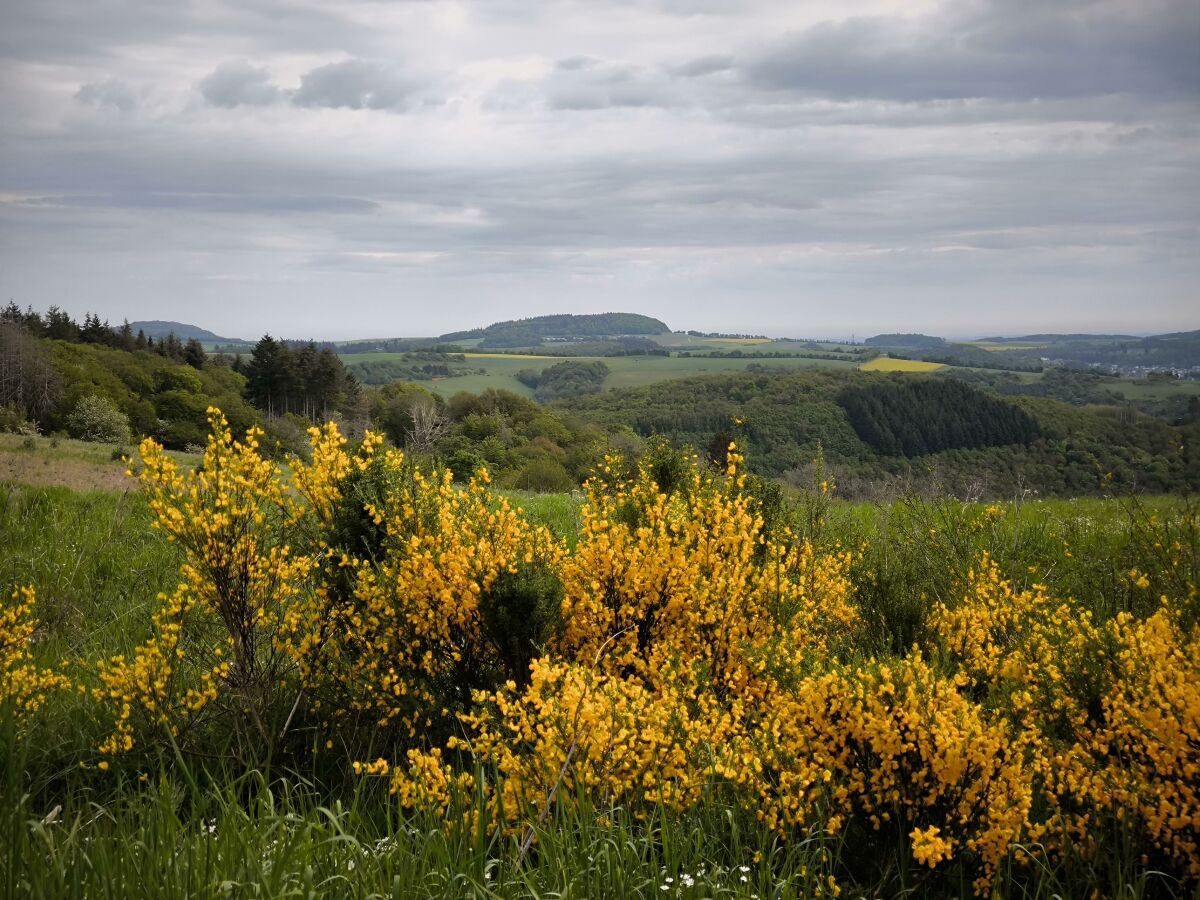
919	416
565	380
532	331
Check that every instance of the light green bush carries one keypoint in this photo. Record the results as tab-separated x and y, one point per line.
96	419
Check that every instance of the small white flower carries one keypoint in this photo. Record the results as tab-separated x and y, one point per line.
743	868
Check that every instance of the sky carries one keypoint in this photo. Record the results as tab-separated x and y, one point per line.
410	167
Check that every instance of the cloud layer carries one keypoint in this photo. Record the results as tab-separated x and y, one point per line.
410	167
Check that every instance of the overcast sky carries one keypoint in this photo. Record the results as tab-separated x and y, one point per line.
804	168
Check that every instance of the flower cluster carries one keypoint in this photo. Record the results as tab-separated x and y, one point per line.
217	635
1104	716
423	588
24	686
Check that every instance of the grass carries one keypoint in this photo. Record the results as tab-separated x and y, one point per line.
36	459
558	512
94	558
257	837
887	364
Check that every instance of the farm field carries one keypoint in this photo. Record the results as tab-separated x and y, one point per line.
1145	389
887	364
1000	347
581	766
499	370
684	341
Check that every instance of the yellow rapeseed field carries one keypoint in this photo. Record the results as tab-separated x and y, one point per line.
887	364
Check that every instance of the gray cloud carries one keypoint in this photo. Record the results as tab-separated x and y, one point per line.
589	84
705	65
111	93
1006	49
238	83
357	84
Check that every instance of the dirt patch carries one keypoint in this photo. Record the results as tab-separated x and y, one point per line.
81	475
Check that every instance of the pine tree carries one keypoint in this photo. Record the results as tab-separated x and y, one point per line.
193	354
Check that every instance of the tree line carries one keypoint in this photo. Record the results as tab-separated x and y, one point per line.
59	325
300	380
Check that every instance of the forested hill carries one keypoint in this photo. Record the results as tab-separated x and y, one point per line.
521	332
878	429
182	330
1179	349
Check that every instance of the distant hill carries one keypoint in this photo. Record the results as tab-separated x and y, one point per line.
1179	349
1058	338
906	341
160	329
528	332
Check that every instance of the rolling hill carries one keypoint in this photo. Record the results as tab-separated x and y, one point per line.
158	328
530	332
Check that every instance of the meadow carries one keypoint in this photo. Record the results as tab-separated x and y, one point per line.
498	370
355	677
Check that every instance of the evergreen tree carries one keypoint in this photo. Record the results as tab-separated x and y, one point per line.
193	354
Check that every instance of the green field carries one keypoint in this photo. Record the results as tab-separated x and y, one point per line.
678	340
1000	347
499	370
1144	389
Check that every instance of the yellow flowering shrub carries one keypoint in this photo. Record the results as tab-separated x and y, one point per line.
691	576
420	589
681	624
214	647
1106	715
893	746
574	731
24	686
1136	762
